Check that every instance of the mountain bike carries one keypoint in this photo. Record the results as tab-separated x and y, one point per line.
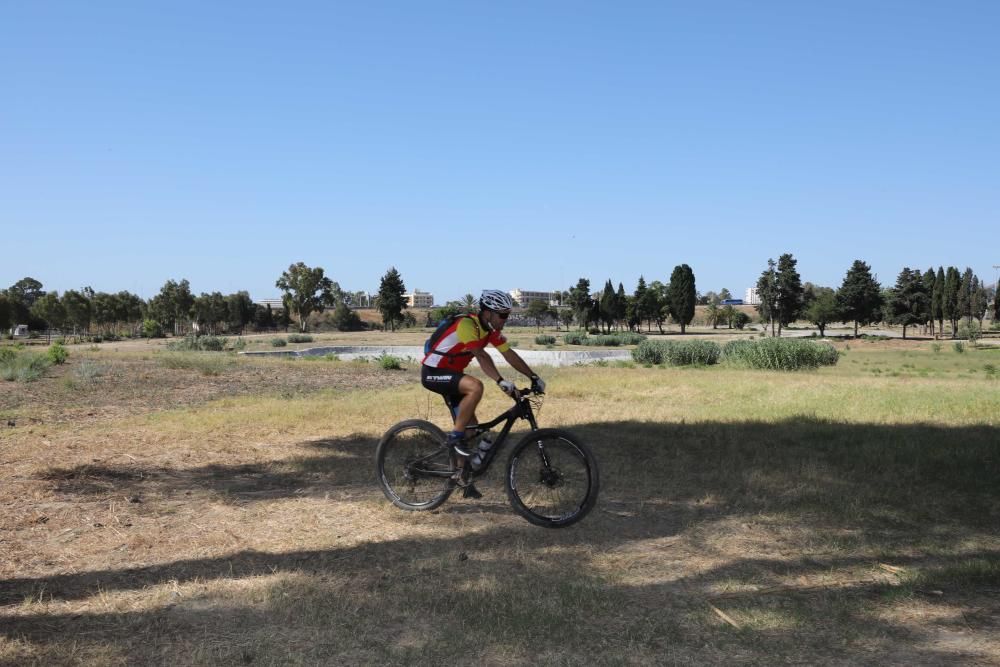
552	478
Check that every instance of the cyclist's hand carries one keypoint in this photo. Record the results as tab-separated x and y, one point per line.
507	387
537	385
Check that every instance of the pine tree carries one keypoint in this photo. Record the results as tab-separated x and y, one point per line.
621	305
859	297
390	298
790	291
580	302
907	303
964	301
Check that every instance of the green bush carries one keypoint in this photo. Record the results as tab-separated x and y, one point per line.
593	331
603	340
278	342
959	347
7	354
192	343
57	353
25	367
151	329
545	340
677	353
300	338
389	363
88	370
740	320
783	354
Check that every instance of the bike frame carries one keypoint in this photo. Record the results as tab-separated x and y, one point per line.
520	410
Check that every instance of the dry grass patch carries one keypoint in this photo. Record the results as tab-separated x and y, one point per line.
234	519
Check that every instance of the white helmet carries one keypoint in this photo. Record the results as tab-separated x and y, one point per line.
494	299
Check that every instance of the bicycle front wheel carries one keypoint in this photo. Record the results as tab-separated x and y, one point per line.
414	466
552	478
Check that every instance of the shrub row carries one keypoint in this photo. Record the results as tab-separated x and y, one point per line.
677	352
603	340
781	354
300	338
545	340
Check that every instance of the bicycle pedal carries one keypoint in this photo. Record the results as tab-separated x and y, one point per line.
471	491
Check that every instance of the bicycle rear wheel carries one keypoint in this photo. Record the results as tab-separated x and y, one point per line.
552	478
414	466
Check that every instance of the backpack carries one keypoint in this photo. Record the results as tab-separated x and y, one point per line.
431	344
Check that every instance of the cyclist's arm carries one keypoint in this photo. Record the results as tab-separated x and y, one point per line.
486	363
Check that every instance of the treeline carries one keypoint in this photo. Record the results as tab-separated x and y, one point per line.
108	315
930	299
175	309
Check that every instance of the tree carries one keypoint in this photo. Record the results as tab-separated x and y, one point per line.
390	298
980	300
908	300
306	291
681	295
209	310
725	294
639	302
345	319
580	302
929	280
790	291
964	301
566	317
606	305
937	299
22	296
50	309
859	297
767	291
538	311
6	313
949	298
78	310
621	305
822	308
172	306
240	311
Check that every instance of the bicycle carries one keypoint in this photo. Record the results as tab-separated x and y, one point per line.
552	478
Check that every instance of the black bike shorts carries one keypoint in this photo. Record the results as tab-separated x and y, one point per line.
443	382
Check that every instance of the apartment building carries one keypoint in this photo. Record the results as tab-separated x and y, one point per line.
751	297
524	297
418	299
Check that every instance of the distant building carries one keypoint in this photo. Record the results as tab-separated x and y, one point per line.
276	304
751	298
524	297
418	299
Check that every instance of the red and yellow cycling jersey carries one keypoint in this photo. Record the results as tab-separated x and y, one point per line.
453	349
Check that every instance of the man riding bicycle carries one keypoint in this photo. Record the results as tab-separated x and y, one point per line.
450	350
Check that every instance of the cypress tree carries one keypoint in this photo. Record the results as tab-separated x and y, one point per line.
937	300
949	299
681	295
928	280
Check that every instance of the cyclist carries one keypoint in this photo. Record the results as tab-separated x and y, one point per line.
452	348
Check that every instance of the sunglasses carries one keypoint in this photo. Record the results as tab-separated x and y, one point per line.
502	316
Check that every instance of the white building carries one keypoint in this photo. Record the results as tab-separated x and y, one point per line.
418	299
751	297
524	297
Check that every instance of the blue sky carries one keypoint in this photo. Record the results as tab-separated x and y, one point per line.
481	144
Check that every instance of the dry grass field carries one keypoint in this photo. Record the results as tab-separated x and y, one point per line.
202	509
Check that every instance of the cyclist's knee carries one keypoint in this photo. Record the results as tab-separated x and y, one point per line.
471	387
